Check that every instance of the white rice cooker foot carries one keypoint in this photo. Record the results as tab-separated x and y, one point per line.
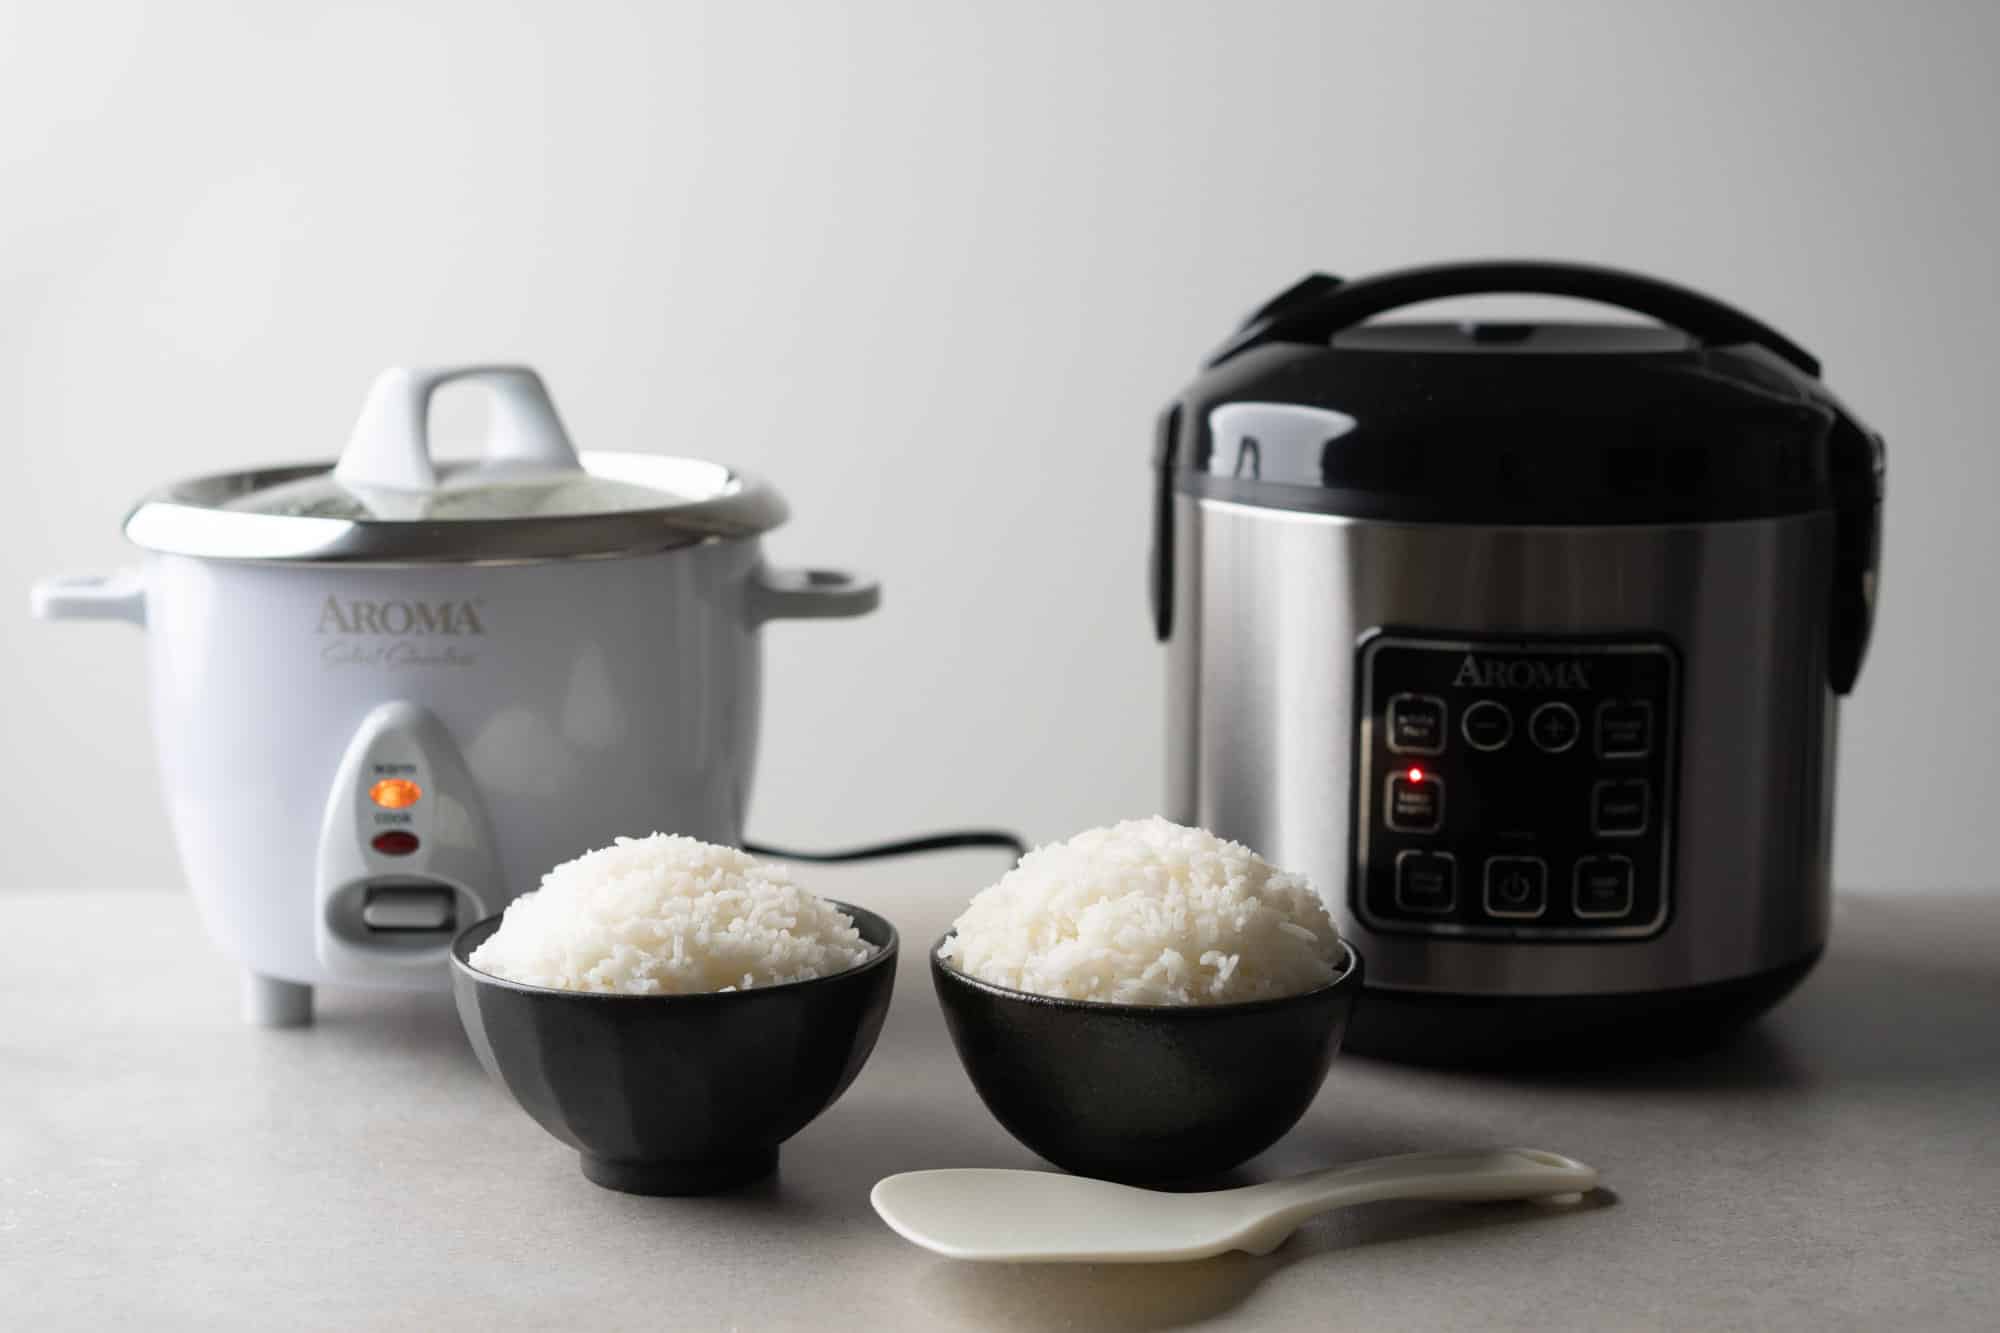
271	1003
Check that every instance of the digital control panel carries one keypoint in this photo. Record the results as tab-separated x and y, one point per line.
1516	788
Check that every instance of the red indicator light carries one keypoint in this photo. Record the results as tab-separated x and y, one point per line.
1416	775
396	842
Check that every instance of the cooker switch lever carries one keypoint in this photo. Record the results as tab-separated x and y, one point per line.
408	908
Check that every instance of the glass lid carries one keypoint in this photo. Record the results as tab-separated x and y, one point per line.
531	497
463	493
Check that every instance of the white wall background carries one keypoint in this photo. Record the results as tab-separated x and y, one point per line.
933	266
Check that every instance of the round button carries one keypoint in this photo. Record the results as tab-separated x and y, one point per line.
1554	727
1487	725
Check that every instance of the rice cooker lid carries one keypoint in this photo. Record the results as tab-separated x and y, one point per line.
1707	416
532	496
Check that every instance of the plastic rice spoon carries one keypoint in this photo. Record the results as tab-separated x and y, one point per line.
1049	1217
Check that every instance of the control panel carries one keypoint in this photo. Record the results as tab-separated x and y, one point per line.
1515	788
405	856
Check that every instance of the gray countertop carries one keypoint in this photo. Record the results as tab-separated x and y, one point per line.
161	1165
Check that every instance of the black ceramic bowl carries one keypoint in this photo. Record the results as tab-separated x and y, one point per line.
677	1094
1145	1093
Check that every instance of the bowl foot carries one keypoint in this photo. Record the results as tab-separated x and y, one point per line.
708	1175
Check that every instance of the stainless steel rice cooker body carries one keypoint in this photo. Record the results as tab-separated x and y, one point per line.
1524	641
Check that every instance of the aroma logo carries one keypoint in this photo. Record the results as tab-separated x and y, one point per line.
1521	673
398	618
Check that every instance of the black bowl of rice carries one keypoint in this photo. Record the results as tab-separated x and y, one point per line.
674	1011
1147	1002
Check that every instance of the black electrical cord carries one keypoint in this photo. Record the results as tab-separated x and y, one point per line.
935	842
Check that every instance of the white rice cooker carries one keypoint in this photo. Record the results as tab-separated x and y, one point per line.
389	695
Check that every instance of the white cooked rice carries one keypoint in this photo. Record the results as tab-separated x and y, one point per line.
668	915
1147	912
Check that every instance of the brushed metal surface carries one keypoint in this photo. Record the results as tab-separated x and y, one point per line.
700	501
1269	609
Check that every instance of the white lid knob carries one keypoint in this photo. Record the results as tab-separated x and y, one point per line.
389	448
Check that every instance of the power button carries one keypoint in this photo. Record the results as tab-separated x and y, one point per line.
1517	886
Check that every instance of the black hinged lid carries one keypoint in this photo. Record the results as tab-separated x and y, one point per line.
1711	416
1707	416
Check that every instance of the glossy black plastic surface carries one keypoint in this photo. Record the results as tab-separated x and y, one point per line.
677	1094
1145	1093
1715	416
1437	425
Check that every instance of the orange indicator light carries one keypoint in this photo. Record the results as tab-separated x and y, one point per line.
395	793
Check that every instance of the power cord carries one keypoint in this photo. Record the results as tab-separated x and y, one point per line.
934	842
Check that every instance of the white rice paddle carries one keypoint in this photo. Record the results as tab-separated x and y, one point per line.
1049	1217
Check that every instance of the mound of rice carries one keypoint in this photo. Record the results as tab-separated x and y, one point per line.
1147	912
667	915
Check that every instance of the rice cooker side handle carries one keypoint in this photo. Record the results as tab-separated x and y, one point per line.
119	596
810	594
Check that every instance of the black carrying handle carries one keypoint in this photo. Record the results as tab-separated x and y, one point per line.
1321	306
